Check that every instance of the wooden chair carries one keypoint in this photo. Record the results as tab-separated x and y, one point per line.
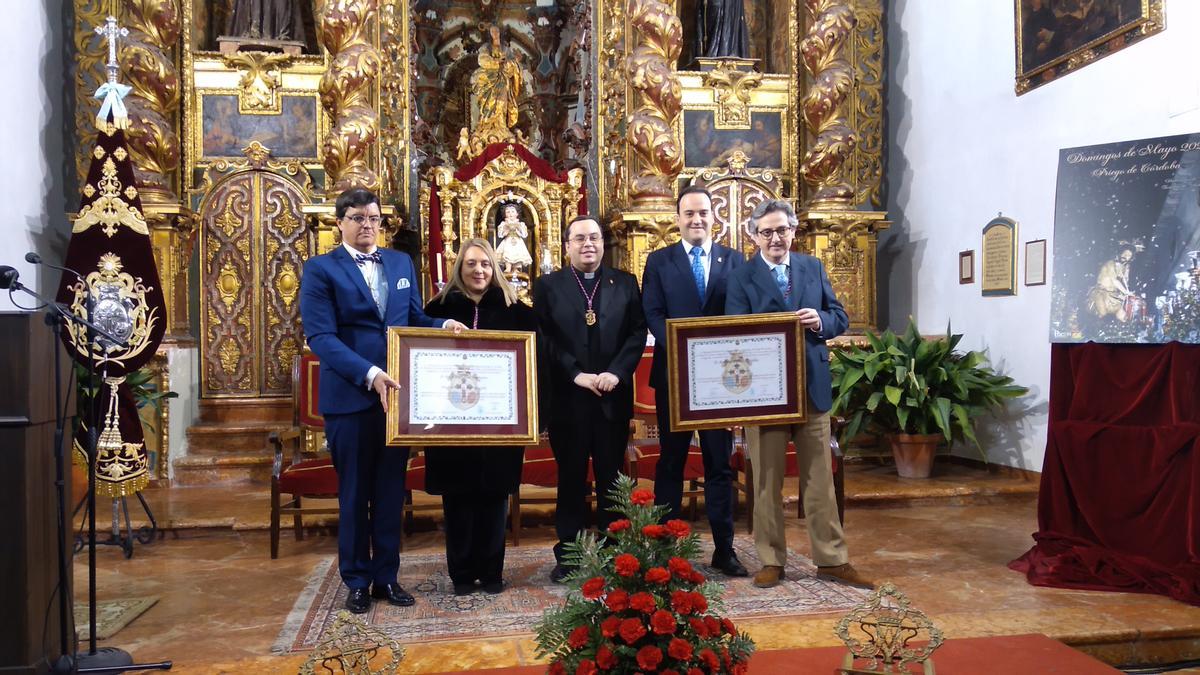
301	477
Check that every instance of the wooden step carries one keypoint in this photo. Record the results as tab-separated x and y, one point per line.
220	439
275	410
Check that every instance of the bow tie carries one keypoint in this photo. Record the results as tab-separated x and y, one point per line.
360	258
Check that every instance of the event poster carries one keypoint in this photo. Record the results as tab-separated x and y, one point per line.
1127	242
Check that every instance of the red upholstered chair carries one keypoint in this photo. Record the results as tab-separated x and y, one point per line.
644	449
299	476
540	470
415	481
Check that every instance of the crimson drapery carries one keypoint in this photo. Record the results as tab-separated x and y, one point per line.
538	166
1119	504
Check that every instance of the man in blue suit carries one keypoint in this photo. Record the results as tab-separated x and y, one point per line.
688	280
777	280
348	298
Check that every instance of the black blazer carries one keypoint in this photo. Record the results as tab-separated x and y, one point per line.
752	290
669	292
621	328
477	470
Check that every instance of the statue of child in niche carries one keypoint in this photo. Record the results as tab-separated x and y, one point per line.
511	234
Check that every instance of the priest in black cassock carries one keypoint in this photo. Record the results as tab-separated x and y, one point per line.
593	330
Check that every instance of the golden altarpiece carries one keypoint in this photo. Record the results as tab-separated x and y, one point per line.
471	118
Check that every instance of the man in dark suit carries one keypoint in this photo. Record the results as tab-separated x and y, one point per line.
687	280
592	327
348	298
777	280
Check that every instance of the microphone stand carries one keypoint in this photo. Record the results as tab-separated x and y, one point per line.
108	659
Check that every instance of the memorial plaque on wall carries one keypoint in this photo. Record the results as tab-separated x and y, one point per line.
1126	256
998	270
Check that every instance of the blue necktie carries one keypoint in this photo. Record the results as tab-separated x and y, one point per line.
781	280
698	270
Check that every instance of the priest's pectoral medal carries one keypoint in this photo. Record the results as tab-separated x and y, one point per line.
590	317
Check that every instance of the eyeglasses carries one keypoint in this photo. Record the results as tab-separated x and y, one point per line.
361	220
768	235
579	239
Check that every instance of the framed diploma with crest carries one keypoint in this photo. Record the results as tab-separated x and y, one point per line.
475	388
728	370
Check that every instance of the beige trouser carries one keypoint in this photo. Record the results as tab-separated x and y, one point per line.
768	445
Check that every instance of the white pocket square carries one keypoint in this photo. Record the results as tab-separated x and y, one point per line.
402	284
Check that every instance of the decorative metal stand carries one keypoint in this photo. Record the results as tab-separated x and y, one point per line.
351	646
888	626
120	505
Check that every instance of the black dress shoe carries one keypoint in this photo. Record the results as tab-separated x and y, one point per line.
394	594
727	562
359	601
464	589
559	573
494	587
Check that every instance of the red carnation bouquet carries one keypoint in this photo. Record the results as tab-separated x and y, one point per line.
637	604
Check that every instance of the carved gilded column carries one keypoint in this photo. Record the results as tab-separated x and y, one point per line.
394	89
843	237
347	93
90	54
830	82
650	130
148	66
610	104
655	153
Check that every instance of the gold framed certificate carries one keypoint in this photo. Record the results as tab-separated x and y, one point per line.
745	369
474	388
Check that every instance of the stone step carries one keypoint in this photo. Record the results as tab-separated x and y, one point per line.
226	469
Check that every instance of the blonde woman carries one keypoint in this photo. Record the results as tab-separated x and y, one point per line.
475	482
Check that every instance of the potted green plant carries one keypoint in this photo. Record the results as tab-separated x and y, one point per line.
917	392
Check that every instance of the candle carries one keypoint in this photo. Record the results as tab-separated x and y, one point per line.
439	269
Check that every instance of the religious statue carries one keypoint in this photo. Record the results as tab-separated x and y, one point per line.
1111	294
511	234
721	30
498	84
266	19
464	145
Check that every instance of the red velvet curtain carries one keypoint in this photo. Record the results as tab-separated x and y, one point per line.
1119	504
538	166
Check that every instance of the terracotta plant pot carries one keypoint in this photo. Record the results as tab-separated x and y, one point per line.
914	454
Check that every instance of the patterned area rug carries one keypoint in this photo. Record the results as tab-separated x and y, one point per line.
440	615
111	616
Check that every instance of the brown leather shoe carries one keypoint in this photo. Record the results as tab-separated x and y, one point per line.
846	574
768	576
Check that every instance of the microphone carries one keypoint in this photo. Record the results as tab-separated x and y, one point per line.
8	277
36	259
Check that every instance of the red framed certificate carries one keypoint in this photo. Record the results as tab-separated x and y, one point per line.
474	388
746	369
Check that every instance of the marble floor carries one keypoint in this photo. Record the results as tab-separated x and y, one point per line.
944	542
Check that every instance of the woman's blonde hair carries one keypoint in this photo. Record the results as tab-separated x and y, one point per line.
455	281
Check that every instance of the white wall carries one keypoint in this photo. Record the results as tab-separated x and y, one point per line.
963	147
33	153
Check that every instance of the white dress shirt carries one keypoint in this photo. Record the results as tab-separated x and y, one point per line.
370	273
